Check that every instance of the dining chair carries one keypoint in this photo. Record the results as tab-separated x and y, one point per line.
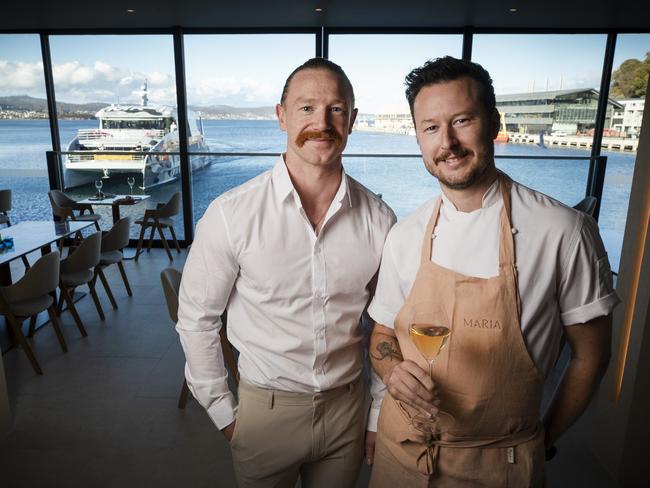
5	207
587	205
79	269
171	283
160	218
63	208
29	296
113	241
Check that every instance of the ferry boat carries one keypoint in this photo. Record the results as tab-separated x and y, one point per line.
127	142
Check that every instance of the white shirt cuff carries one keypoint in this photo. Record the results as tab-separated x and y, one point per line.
600	307
373	418
224	412
381	316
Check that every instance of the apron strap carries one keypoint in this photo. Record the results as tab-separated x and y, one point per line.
506	241
428	233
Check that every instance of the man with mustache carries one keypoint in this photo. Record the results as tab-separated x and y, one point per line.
293	254
510	272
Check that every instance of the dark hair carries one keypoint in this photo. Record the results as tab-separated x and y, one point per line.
449	69
319	63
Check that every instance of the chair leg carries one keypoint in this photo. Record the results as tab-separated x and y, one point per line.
120	266
25	262
57	328
178	247
32	325
18	333
93	293
59	306
140	240
149	244
164	241
73	310
97	226
185	393
107	288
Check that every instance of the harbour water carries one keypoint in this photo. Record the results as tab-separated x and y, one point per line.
403	182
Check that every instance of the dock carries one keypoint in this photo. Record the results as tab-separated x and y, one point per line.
577	142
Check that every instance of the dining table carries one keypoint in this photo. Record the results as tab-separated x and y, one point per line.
27	237
115	201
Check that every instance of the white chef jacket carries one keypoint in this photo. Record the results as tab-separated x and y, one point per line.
294	298
564	277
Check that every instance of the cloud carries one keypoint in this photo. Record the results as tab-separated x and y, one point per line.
232	91
79	83
102	82
19	78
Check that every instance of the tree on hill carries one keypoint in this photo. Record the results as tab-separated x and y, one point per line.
630	80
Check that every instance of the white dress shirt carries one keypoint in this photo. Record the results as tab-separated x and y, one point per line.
294	298
563	273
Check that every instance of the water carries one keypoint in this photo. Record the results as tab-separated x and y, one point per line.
403	182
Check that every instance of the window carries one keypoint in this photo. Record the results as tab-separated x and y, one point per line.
24	127
629	82
376	65
116	102
233	84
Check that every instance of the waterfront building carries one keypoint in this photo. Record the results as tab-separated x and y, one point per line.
561	111
628	120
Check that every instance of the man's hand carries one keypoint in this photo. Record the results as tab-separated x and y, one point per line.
409	383
229	431
370	446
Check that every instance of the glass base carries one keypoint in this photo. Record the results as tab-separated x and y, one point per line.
435	426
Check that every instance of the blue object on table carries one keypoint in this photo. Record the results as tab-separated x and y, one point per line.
8	242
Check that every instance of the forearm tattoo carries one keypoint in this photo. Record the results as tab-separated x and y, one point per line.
387	349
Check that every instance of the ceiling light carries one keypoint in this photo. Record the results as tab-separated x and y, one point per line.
130	10
513	10
318	9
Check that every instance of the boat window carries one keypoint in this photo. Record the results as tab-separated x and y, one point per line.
156	124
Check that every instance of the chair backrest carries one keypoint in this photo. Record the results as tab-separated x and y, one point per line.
587	205
171	283
5	200
39	280
61	204
118	236
86	256
172	207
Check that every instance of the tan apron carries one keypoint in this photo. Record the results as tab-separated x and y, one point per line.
485	377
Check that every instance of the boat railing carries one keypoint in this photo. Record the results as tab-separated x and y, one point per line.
120	134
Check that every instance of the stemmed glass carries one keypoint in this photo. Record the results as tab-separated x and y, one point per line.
430	335
131	181
99	184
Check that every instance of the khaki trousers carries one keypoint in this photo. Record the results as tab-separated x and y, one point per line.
317	436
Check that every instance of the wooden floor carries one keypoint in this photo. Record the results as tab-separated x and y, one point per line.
105	415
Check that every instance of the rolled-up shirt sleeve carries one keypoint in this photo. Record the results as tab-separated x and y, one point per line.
389	295
208	278
586	289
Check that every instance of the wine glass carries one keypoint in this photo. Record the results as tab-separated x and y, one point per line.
131	181
430	333
99	184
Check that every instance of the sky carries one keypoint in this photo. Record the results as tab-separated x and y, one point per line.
250	70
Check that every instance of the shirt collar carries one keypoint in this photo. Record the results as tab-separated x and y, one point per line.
490	197
284	187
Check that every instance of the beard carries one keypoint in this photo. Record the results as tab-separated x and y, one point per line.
318	134
475	175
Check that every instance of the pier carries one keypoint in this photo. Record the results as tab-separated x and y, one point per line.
577	142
